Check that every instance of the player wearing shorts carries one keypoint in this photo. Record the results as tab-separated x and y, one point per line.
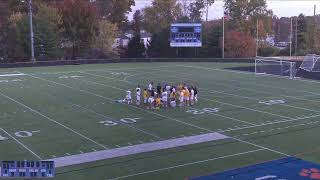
128	97
138	95
158	102
195	94
186	96
164	99
181	98
145	96
192	96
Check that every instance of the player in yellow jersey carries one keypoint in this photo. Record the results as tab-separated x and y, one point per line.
145	96
158	102
186	96
181	98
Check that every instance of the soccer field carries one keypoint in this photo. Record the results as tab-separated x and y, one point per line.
63	111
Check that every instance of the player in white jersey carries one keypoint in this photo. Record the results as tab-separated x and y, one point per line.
138	95
192	96
164	99
150	87
128	97
181	98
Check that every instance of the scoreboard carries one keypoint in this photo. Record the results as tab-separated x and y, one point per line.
186	35
27	169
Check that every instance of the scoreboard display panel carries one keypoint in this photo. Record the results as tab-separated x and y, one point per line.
185	35
27	169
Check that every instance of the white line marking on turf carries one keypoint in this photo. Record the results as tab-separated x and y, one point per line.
50	119
137	149
96	75
151	112
10	75
131	126
261	92
271	123
207	100
186	164
26	147
231	118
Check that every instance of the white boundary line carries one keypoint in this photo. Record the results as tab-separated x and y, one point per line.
35	154
186	164
248	73
136	149
157	114
243	107
271	123
48	118
296	107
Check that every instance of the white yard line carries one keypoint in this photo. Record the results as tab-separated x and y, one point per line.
157	114
52	120
185	164
11	75
19	142
271	123
124	80
249	73
270	130
243	107
136	149
256	100
131	126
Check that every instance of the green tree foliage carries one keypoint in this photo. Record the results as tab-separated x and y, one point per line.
198	8
244	15
115	11
301	34
79	20
161	14
136	46
47	29
105	38
211	39
13	38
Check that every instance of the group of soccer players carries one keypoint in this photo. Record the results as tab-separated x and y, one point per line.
164	96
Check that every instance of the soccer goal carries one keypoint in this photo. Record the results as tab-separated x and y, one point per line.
311	63
274	66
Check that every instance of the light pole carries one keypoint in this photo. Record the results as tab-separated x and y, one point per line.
31	30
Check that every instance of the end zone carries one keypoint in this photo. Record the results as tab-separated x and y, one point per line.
282	169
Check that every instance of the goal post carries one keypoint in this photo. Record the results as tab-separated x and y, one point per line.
274	66
311	63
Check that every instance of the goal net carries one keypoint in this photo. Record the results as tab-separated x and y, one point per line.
311	63
273	66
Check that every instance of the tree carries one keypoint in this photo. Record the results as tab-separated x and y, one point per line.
47	29
197	9
136	46
105	38
115	11
13	39
161	14
79	20
244	14
212	39
301	34
239	45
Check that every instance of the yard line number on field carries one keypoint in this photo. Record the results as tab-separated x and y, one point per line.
20	134
123	120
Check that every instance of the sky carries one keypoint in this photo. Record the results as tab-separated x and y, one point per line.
281	8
